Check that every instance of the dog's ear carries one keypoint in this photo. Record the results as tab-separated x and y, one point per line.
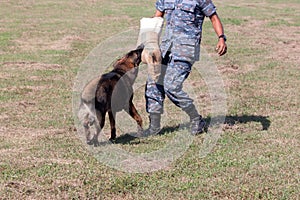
140	47
136	55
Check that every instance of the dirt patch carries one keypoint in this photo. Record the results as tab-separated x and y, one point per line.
30	66
281	45
265	42
27	134
229	68
6	76
29	43
63	43
282	142
17	89
18	143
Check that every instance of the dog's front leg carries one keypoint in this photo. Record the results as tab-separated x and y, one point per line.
112	125
136	116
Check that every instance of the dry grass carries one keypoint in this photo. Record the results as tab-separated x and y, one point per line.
41	47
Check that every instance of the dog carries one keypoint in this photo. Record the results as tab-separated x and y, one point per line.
110	93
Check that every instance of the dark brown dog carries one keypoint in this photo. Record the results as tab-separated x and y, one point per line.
114	93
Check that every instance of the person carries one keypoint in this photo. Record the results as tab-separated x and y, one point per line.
180	48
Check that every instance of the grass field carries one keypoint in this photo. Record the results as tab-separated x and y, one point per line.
42	45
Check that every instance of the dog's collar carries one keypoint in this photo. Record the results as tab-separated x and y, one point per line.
119	72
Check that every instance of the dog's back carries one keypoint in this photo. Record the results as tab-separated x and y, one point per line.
114	91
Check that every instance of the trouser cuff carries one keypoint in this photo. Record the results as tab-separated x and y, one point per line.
192	111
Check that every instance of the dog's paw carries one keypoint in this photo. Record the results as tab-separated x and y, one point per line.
140	130
112	140
96	143
90	142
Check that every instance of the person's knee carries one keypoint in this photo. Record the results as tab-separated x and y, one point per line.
172	87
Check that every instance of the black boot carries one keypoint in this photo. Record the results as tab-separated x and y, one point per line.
154	127
197	123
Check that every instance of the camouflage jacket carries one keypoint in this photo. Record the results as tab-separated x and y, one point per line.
184	19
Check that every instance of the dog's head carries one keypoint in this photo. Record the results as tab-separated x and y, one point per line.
131	60
135	56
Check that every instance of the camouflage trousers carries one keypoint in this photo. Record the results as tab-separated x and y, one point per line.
170	83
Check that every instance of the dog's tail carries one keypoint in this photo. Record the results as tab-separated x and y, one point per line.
88	108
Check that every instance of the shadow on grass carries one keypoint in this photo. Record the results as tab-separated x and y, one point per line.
229	120
129	138
265	122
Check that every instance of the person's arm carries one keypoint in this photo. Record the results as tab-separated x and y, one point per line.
158	14
218	27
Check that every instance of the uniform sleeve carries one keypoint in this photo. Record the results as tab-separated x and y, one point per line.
208	8
160	5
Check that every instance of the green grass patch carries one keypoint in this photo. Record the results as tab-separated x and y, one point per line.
233	21
5	39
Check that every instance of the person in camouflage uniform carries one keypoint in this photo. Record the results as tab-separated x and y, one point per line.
180	48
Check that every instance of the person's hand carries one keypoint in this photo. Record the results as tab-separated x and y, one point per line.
151	55
221	48
150	30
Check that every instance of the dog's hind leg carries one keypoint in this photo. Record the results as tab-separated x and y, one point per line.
86	125
99	126
89	119
112	125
